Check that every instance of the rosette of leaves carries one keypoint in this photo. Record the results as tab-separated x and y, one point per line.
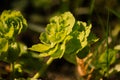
12	23
64	37
54	39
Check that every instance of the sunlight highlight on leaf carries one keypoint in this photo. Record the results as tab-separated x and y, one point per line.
40	47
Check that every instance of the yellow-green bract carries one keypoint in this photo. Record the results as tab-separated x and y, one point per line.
64	37
12	23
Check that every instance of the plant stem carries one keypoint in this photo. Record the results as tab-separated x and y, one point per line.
12	69
44	67
92	6
107	34
91	10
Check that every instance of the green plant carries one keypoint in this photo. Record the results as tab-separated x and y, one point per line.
12	23
64	37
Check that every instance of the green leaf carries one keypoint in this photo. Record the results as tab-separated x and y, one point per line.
106	59
61	48
23	48
13	52
30	63
92	38
111	55
40	47
83	39
44	38
59	52
10	33
84	32
49	52
3	48
72	46
1	27
83	53
70	58
3	45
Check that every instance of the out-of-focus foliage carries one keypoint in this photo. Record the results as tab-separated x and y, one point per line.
12	23
105	60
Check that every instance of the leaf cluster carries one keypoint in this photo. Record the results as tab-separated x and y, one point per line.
12	23
64	37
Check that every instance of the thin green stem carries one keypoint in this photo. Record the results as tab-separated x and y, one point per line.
92	6
115	13
12	73
107	34
91	10
42	70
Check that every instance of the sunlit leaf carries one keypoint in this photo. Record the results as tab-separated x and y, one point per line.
1	27
44	38
49	52
59	52
3	45
92	38
61	48
23	48
10	33
40	47
84	32
18	68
